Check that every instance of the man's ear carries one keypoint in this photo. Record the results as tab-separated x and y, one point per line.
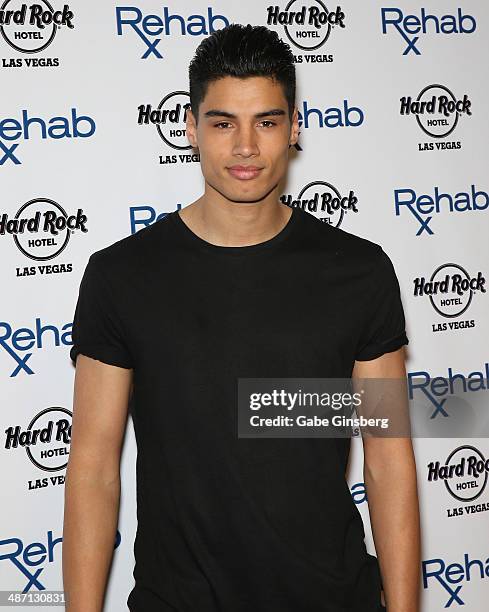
191	127
294	130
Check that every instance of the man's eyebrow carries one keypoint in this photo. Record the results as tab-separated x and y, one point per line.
219	113
274	112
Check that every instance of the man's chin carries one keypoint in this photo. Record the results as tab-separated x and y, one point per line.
251	196
246	199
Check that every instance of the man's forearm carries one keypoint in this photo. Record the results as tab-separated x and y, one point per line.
394	516
90	524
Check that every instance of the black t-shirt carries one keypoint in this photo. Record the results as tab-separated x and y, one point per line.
225	523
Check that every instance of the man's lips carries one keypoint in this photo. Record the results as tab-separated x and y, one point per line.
244	173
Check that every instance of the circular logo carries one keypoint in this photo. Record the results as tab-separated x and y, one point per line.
442	116
469	477
43	229
49	446
308	26
450	303
324	201
173	114
28	28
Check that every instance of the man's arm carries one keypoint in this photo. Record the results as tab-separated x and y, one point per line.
390	480
92	486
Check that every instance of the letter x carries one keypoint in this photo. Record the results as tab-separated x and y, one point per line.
151	46
8	153
453	595
423	223
411	44
32	579
22	362
438	406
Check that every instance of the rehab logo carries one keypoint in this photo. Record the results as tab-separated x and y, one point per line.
15	131
150	28
30	558
424	206
324	201
450	290
451	578
30	29
46	443
41	230
408	25
19	344
437	111
169	118
308	25
456	386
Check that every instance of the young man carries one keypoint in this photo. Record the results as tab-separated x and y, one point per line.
236	285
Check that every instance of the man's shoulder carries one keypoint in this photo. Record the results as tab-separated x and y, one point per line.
135	248
339	242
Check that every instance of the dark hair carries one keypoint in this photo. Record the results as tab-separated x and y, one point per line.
241	51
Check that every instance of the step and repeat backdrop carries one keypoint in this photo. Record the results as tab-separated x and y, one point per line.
394	131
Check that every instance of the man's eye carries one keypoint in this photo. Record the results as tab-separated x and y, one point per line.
222	124
267	123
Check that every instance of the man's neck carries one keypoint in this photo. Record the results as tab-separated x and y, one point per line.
225	223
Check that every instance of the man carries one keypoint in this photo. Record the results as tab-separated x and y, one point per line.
236	285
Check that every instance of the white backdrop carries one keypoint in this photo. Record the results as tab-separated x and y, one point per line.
75	149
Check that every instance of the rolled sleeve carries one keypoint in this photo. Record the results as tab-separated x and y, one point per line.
97	329
385	326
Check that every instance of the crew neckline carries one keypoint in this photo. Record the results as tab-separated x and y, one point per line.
250	248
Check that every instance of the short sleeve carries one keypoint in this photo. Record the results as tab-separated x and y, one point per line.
384	330
97	329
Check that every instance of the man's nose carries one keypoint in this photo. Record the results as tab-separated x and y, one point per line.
245	143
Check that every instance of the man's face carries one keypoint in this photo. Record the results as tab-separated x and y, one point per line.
243	135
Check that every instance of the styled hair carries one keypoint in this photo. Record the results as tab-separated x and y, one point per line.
241	51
